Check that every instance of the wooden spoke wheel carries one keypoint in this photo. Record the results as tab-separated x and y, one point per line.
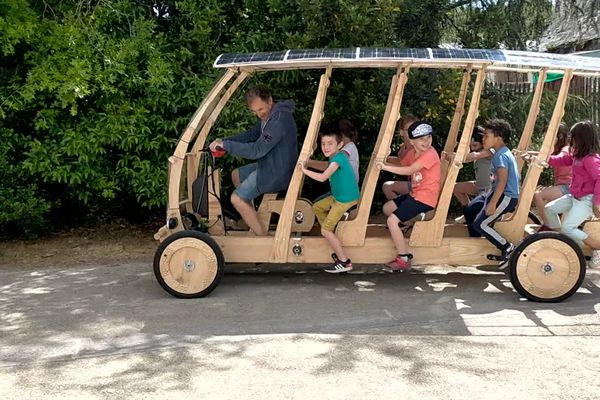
547	267
189	264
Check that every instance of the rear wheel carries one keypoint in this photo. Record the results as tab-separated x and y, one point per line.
547	267
189	264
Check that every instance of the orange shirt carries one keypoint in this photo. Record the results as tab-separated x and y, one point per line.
425	184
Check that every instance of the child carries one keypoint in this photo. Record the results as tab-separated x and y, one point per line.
484	210
423	167
349	137
482	158
583	201
562	176
344	194
393	189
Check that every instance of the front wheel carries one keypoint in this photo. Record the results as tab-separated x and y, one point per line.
189	264
547	267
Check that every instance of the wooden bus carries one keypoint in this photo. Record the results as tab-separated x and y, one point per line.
543	267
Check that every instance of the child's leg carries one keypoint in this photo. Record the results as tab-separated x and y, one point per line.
389	207
407	208
463	191
472	210
579	212
545	196
483	223
321	209
393	189
335	214
559	206
392	205
397	236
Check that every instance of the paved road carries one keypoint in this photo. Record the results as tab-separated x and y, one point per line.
103	332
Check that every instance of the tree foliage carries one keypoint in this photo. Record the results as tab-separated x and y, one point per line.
95	93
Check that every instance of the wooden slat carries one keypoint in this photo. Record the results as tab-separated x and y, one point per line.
210	121
534	110
202	112
458	112
513	229
376	250
279	250
456	120
430	233
352	233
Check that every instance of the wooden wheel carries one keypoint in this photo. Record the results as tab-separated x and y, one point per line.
189	264
547	267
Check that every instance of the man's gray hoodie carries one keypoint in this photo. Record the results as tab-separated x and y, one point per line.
274	146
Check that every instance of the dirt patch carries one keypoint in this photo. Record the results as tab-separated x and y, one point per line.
104	244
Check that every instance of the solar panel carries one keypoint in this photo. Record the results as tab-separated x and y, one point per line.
235	58
442	56
321	53
393	53
468	54
551	60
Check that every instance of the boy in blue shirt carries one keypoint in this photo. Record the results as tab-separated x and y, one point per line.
484	210
344	194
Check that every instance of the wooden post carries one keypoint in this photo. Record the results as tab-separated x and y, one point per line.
456	120
534	110
513	229
279	251
430	233
352	233
459	111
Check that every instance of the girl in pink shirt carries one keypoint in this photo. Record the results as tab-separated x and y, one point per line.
562	176
423	167
583	201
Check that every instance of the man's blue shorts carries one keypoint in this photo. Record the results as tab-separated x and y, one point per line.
247	189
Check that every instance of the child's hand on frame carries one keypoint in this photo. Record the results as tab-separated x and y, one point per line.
490	209
380	165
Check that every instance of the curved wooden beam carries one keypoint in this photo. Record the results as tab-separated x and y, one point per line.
176	161
534	111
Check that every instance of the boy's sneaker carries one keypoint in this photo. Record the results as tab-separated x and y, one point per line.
595	260
398	264
460	220
339	266
506	256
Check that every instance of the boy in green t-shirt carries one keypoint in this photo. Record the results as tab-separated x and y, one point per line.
344	194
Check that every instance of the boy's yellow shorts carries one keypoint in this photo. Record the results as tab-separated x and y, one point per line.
329	212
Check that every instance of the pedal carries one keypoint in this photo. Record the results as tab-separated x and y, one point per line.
494	257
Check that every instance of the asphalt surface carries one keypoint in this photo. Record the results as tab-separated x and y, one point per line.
100	332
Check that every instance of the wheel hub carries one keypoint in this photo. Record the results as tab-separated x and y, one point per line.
547	268
189	265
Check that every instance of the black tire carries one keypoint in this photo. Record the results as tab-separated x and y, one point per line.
201	248
534	218
547	259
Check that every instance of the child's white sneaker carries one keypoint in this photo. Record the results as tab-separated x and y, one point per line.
595	260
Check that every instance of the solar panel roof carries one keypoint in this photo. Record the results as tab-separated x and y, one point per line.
384	56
